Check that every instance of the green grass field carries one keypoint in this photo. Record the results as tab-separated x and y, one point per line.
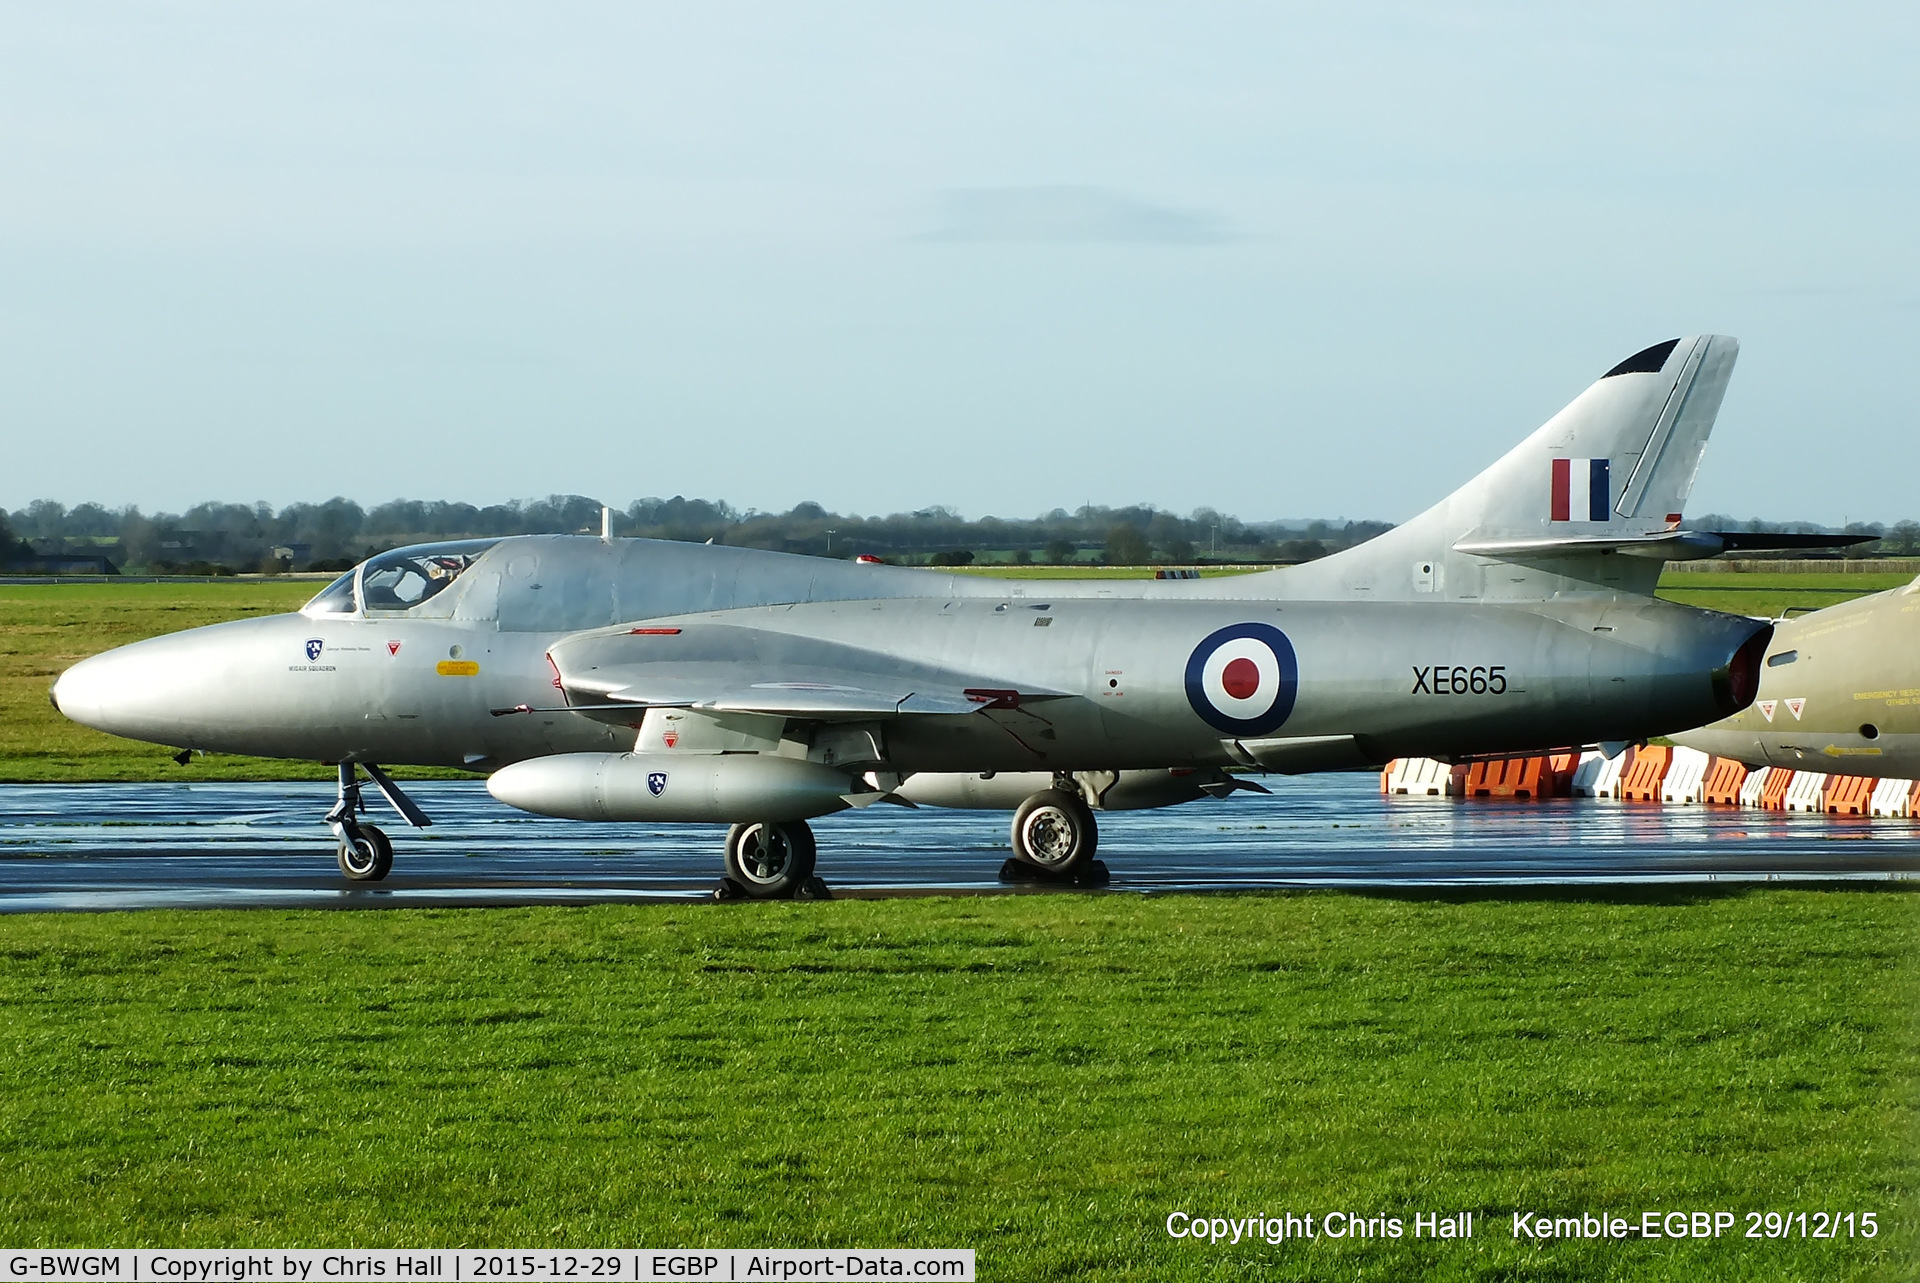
1772	594
1041	1078
43	629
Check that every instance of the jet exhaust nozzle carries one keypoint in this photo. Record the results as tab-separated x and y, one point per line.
720	788
1735	685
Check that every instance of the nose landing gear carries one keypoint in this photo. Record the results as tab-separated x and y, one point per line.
365	854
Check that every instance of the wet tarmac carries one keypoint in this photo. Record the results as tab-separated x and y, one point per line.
120	846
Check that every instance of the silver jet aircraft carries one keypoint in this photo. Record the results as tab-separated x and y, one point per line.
638	680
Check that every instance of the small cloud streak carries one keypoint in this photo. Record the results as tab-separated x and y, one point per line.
1063	215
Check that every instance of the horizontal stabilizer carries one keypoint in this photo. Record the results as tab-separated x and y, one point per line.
1753	541
1667	545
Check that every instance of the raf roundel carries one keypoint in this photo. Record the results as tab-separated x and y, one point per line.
1243	679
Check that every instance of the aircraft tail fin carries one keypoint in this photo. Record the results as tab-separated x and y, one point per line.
1601	481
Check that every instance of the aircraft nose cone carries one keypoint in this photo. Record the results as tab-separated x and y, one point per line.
76	692
98	692
224	688
176	689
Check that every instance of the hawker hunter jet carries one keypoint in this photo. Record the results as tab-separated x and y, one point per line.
629	679
1839	693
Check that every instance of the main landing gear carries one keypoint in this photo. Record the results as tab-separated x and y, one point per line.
365	853
770	860
1054	839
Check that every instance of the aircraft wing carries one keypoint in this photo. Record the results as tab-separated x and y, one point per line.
731	668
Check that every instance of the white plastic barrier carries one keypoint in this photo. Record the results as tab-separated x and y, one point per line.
1585	772
1686	775
1807	792
1891	798
1419	777
1754	785
1606	778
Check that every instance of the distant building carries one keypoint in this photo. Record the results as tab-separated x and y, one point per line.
59	564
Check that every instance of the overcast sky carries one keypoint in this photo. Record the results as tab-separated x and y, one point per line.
1325	260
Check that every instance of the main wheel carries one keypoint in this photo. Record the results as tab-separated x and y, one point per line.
365	854
770	860
1054	831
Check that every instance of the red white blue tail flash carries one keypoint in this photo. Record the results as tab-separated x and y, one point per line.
1243	679
1582	490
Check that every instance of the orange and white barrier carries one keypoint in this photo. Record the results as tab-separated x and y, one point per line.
1585	780
1675	776
1808	792
1774	796
1417	777
1725	782
1895	799
1686	776
1513	777
1646	774
1848	795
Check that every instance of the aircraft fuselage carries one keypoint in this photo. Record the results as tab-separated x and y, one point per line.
1372	680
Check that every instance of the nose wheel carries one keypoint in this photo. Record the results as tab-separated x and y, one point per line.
365	853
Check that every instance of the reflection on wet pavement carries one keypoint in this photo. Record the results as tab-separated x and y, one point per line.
112	846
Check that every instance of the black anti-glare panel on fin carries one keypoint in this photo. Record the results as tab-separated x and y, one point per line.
1650	361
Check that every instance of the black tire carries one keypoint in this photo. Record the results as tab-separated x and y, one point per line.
770	861
365	855
1054	831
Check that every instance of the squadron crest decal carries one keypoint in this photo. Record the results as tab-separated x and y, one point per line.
657	782
1243	679
314	647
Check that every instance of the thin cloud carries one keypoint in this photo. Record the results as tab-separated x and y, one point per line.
1068	215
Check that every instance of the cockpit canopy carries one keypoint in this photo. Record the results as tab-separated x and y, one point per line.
397	581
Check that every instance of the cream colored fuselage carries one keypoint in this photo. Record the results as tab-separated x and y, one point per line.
1839	693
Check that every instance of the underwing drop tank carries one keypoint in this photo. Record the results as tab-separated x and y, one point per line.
719	788
1103	790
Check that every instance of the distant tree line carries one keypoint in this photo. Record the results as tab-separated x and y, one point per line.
227	538
215	538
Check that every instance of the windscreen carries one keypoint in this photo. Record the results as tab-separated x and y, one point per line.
337	598
405	577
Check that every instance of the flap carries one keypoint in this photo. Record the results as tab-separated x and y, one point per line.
1302	754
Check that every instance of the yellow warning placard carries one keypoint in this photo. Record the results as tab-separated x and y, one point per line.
457	668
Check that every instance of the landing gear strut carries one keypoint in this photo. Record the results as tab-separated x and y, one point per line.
770	861
365	854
